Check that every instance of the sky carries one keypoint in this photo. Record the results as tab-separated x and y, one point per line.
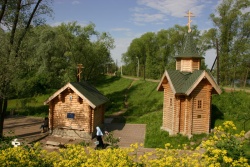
126	20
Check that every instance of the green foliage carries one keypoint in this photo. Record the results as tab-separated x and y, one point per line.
5	142
232	31
26	156
233	106
84	144
111	140
134	156
144	106
225	143
156	51
29	106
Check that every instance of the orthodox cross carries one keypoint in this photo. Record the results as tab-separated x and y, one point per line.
79	71
189	15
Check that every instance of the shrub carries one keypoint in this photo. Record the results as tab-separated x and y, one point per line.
111	140
223	148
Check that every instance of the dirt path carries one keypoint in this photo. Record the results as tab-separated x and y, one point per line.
27	130
230	89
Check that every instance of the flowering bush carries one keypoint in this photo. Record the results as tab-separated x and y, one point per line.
223	148
111	140
25	156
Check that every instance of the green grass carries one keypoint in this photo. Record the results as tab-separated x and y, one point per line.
29	106
144	105
143	98
115	89
234	106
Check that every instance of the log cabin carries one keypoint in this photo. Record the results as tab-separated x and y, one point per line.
75	110
187	93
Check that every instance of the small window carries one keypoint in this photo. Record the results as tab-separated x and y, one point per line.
199	104
71	115
198	116
170	102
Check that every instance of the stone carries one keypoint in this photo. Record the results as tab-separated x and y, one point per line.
247	135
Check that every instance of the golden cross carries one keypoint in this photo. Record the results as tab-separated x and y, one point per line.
189	15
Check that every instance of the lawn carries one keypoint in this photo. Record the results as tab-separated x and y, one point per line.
143	104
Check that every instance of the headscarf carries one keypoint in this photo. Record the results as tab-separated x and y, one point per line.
98	131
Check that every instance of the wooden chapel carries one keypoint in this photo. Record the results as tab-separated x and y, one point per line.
187	93
76	109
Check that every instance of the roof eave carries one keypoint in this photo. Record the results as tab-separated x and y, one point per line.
198	80
169	81
208	77
69	85
81	95
56	94
213	83
188	57
160	83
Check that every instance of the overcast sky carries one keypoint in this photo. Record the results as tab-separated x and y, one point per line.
129	19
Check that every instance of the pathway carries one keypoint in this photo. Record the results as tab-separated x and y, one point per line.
27	129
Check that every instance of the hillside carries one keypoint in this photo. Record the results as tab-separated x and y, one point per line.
137	101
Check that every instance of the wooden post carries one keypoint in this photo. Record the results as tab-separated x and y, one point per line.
79	71
218	63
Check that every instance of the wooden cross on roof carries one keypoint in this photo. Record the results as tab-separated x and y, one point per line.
79	71
189	15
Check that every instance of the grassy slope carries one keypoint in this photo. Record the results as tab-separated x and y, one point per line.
145	106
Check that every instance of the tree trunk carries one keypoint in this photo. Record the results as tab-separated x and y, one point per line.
3	109
27	26
16	18
144	74
3	10
245	80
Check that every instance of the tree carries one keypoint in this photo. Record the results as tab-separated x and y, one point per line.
52	54
130	58
86	46
16	18
232	30
156	51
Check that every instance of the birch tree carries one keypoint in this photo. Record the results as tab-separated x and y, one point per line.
16	18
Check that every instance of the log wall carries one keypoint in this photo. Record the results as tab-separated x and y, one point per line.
201	116
85	118
188	65
168	108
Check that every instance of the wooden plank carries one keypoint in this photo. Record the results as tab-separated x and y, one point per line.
182	115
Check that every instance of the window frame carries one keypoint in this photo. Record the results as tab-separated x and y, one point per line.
170	102
199	104
70	115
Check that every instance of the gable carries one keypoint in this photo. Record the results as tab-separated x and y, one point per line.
164	80
205	75
185	82
84	90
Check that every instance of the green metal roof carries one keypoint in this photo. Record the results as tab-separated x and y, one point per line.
182	81
189	48
91	93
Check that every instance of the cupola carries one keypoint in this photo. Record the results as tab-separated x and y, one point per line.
189	59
